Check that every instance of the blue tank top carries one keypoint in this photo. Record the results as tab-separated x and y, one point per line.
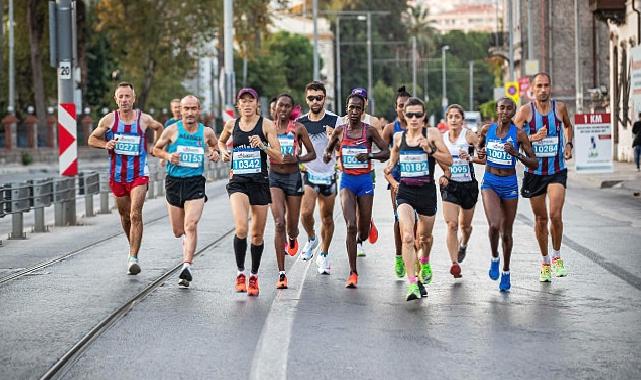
191	147
548	151
396	170
497	157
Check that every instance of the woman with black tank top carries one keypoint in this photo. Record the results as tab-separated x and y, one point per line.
254	138
416	151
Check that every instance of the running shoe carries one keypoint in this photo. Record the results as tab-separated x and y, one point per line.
360	252
455	270
184	278
282	281
399	267
505	285
413	292
308	249
322	262
253	290
292	250
426	273
559	267
134	267
352	280
546	273
494	269
241	283
461	254
421	289
373	233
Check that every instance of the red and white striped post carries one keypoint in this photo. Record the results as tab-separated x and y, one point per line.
67	143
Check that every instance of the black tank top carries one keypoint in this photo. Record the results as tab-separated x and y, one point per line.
416	166
248	164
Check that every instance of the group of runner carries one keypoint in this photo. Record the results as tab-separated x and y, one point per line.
292	162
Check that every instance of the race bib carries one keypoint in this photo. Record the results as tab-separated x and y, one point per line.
128	145
190	156
319	179
414	164
246	162
349	158
496	154
548	147
286	144
460	170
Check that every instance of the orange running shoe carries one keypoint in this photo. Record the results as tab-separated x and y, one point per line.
455	270
253	290
282	282
352	280
373	233
241	285
292	250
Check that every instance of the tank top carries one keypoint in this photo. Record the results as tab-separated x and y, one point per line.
461	170
318	172
191	148
415	165
497	157
288	141
396	171
128	159
550	150
248	164
350	147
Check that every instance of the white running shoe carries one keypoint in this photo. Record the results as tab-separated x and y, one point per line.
360	252
322	261
308	249
134	267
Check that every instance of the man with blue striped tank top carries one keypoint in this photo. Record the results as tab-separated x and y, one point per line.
185	145
549	128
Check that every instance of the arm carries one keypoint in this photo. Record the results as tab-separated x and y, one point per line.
391	163
97	137
529	159
159	149
222	141
212	142
474	140
481	158
375	137
273	149
149	122
303	137
332	144
569	130
522	116
437	148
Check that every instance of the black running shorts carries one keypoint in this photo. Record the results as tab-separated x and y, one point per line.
291	184
464	194
258	192
421	198
178	190
535	185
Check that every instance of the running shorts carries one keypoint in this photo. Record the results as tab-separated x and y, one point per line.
464	194
257	192
506	187
178	190
421	198
535	185
291	184
123	189
324	189
360	184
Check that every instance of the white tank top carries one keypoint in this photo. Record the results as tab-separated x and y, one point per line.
461	169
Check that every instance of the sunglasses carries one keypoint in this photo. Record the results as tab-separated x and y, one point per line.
318	98
410	115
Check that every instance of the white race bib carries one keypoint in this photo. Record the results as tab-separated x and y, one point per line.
286	144
496	154
548	147
246	162
413	164
190	156
349	158
128	145
318	179
460	170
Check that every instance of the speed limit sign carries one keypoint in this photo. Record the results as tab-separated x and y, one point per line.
64	70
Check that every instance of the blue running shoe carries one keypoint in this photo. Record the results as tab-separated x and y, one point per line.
494	269
505	285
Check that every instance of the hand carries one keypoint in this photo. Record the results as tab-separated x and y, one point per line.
329	130
394	186
327	157
387	170
362	156
174	158
480	154
568	152
540	135
443	181
111	144
425	145
255	141
226	155
163	163
213	155
508	147
289	159
464	155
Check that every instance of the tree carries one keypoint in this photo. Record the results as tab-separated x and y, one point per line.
418	25
35	24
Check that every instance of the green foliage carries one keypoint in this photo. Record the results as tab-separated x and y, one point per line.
26	158
488	110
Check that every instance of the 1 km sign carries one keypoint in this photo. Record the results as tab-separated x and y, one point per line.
593	143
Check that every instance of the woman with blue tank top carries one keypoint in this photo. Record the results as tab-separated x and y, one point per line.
185	145
500	191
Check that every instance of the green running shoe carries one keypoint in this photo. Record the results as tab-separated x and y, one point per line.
559	267
546	273
413	292
399	267
426	273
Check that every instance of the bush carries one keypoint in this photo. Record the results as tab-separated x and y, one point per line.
26	158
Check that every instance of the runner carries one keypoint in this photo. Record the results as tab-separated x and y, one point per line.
357	188
459	188
416	151
399	125
248	186
174	106
549	128
319	178
122	134
500	190
182	145
286	183
272	108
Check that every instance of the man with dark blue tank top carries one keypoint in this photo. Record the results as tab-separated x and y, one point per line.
174	106
185	145
416	152
500	144
319	178
550	131
391	129
253	139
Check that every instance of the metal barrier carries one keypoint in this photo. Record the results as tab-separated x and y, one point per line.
88	185
104	194
64	201
42	196
19	196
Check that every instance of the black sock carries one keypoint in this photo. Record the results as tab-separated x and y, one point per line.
257	253
240	250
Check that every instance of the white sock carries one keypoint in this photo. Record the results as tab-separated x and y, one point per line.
505	273
186	265
495	259
546	259
281	272
240	272
463	245
556	254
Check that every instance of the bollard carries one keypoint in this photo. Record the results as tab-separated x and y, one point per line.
150	188
42	196
104	203
70	203
19	201
39	219
17	227
10	124
89	205
58	216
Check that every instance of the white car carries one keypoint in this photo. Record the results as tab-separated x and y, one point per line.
472	120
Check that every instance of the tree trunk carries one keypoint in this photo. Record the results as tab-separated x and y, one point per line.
35	36
150	71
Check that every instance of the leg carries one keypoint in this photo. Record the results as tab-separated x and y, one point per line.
492	207
365	203
192	212
326	208
138	194
240	213
406	225
465	223
278	212
124	209
293	216
509	213
259	217
424	229
556	193
307	211
637	155
451	216
348	200
540	212
397	230
176	219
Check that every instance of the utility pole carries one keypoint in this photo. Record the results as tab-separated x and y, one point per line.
315	19
471	86
530	44
229	53
414	62
511	39
370	89
444	100
12	72
578	83
339	89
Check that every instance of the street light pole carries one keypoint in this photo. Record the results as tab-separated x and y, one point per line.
414	59
471	85
316	74
229	53
578	83
339	100
511	39
370	92
443	57
12	79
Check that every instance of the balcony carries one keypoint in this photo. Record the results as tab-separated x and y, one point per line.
613	10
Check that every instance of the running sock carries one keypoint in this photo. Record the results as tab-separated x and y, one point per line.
424	259
240	250
324	254
282	272
186	265
292	242
240	272
546	259
495	259
556	254
412	279
257	254
505	273
463	245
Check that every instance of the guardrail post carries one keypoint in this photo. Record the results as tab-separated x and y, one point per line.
19	195
70	203
58	218
17	227
39	220
160	176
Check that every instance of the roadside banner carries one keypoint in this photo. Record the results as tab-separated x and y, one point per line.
593	143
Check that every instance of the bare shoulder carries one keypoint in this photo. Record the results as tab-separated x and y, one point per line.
106	121
229	124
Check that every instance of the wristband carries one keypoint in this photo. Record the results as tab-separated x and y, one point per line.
370	155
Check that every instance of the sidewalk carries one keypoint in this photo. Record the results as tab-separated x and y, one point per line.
625	176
